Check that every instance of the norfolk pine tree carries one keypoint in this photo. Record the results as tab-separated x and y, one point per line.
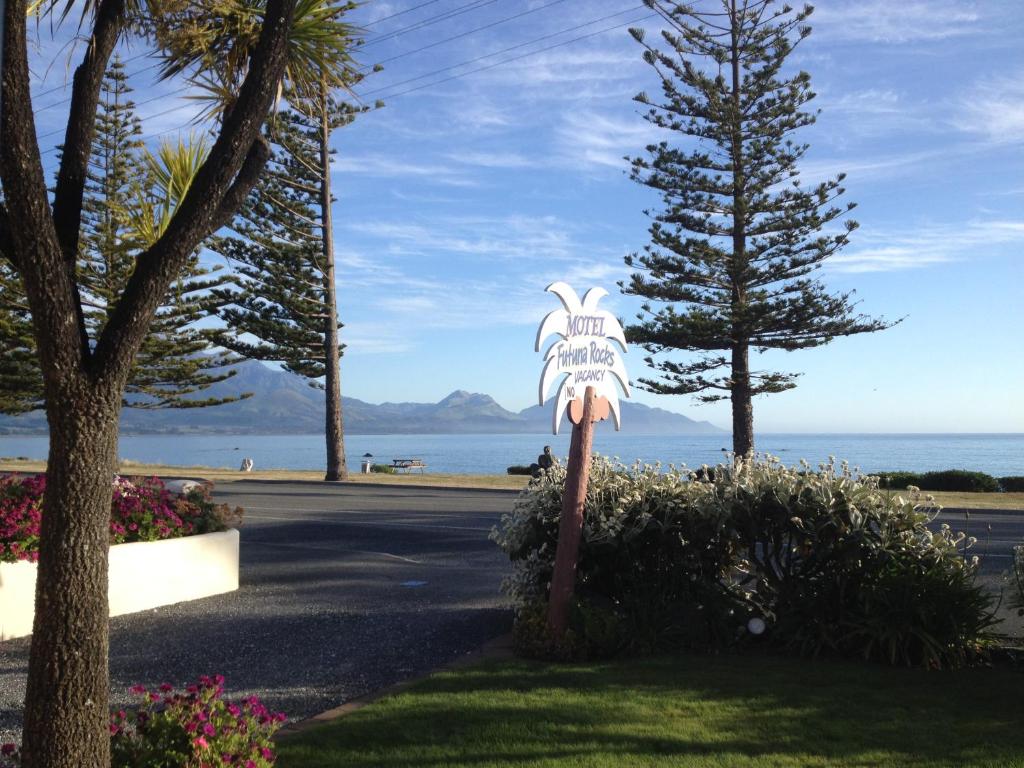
176	358
285	255
130	195
733	250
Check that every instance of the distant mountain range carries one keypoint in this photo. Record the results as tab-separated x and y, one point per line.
283	403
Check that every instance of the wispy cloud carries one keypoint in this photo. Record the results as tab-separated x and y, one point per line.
494	159
387	166
884	21
595	71
518	238
926	246
594	139
873	112
528	253
873	168
993	108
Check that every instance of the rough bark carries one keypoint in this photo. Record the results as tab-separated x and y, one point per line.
570	527
742	403
77	147
336	467
66	706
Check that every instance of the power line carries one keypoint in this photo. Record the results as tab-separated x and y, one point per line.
150	100
466	34
401	13
422	23
449	68
521	56
430	21
517	47
63	87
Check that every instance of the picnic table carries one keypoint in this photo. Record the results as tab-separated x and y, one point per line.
408	465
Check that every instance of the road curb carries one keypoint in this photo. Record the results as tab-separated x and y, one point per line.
398	486
497	648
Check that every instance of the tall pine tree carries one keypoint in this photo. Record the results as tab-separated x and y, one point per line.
20	384
733	249
285	307
129	195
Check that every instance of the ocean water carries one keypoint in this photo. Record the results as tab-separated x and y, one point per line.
997	454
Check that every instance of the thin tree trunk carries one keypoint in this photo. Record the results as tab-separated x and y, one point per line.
742	403
742	407
66	709
334	430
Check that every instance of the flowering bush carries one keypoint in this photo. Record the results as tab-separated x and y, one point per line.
194	729
672	559
9	757
655	565
21	506
142	509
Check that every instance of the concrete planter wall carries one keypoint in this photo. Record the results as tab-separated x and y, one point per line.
143	575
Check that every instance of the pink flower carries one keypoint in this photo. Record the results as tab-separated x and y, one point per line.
200	742
7	749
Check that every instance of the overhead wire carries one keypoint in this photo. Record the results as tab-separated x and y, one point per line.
463	34
522	45
422	23
518	58
428	22
459	65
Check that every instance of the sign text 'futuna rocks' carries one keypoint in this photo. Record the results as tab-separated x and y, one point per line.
585	352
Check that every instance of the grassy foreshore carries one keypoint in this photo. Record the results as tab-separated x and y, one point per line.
951	499
224	474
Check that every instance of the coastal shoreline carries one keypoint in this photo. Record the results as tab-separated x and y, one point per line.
948	499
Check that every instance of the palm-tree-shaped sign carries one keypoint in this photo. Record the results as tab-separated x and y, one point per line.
591	365
585	353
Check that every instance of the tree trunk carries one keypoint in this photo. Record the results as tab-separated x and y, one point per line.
742	405
742	408
334	430
66	704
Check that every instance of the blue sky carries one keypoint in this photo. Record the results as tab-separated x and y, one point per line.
470	191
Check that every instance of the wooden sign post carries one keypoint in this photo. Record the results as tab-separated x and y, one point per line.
593	365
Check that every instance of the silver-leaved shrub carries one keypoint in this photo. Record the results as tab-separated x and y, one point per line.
674	559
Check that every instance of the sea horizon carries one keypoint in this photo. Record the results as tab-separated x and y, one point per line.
997	453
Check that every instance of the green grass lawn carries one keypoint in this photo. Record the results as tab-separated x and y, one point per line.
687	711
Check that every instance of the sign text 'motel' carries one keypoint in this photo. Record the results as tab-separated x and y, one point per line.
585	356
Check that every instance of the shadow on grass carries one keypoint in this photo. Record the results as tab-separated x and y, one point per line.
722	711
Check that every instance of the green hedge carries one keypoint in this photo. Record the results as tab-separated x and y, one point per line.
1012	484
944	480
384	469
959	480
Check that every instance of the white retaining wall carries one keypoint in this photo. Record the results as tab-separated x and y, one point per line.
143	575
